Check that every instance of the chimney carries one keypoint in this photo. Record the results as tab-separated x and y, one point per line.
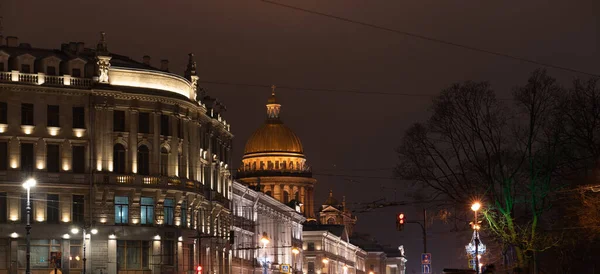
164	65
146	60
72	46
12	41
80	47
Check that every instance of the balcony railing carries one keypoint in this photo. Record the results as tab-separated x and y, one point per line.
160	182
43	79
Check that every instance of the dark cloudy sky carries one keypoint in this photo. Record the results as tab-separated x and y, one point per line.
352	134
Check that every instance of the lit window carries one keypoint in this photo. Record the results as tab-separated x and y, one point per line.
169	211
147	208
121	210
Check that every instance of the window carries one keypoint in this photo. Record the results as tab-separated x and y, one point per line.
184	222
3	208
53	116
143	160
76	72
331	221
52	208
50	70
3	155
311	267
144	122
286	197
27	157
119	121
147	207
164	125
24	209
179	128
27	114
44	254
78	209
169	212
133	255
164	162
76	254
168	251
311	246
268	193
3	113
121	210
52	158
1	66
119	159
78	117
25	68
78	159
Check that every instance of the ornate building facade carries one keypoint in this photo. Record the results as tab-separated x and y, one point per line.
134	154
336	213
257	215
274	161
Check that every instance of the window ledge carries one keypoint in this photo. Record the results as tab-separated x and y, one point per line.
27	129
53	131
79	132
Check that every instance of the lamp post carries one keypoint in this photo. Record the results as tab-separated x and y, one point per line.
265	241
475	207
28	185
75	230
295	251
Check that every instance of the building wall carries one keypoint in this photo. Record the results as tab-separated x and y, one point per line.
197	178
329	253
256	215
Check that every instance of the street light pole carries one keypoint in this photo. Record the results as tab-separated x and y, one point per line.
28	185
475	207
83	245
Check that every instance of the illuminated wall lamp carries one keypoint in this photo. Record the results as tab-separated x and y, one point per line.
27	129
53	131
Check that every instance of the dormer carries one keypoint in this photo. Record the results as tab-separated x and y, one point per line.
4	60
76	67
50	65
24	63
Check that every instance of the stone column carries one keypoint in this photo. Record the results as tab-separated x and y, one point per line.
156	142
185	148
107	131
133	139
174	155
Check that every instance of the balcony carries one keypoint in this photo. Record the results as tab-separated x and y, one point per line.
43	79
244	223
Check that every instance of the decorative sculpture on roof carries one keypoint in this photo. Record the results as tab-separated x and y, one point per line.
103	59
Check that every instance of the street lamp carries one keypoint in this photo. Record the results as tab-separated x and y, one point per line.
295	251
326	263
28	185
475	207
265	241
85	235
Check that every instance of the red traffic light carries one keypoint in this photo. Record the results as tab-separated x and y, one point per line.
401	221
199	268
401	216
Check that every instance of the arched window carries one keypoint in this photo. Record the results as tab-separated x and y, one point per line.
331	221
297	196
286	197
164	162
119	159
143	160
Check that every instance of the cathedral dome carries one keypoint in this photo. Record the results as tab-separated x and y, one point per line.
273	137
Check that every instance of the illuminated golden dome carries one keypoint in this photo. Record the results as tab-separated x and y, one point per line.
273	137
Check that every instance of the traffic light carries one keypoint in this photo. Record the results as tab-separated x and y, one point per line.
199	269
400	222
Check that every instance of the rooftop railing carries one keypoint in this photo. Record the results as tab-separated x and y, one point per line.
43	79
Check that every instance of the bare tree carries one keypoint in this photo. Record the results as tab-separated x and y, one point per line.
476	147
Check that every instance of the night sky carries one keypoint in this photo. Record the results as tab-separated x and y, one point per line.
352	135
